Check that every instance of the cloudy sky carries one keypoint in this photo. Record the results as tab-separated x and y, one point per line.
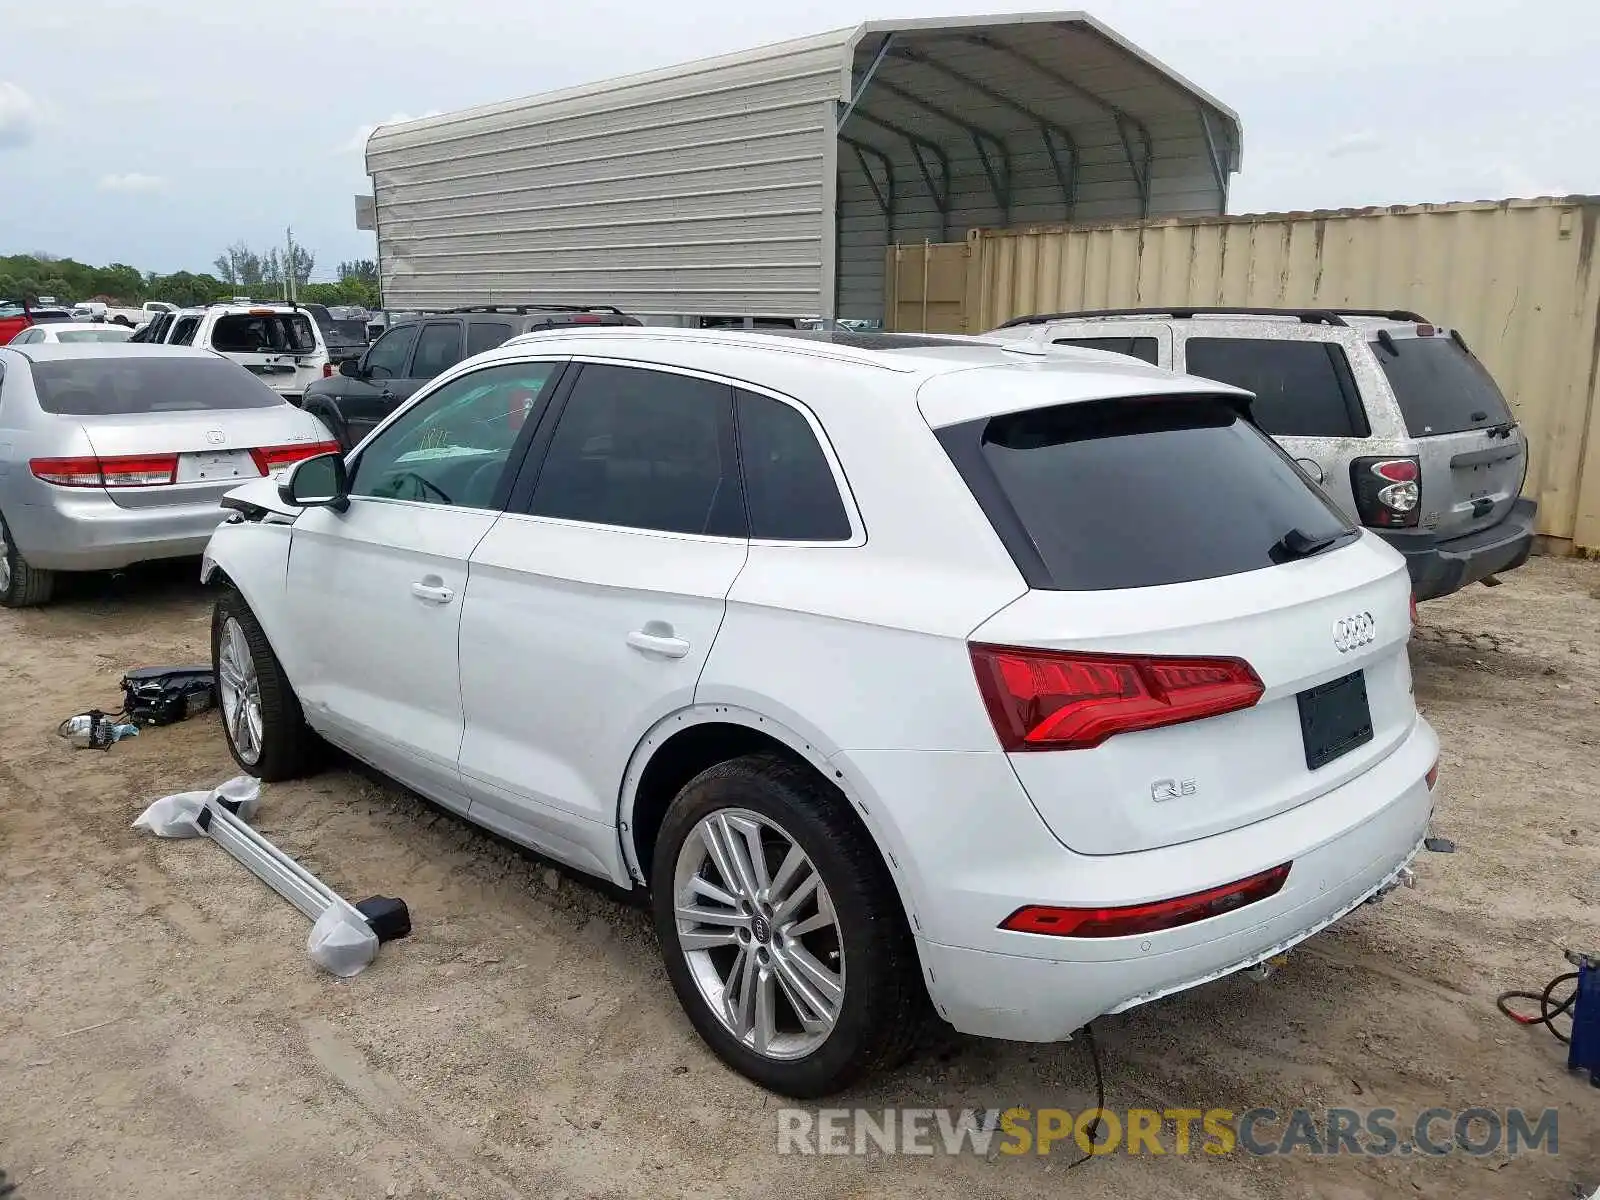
156	133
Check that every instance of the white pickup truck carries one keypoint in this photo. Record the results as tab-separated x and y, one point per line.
278	342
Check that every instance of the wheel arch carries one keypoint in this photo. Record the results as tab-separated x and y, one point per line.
251	557
684	743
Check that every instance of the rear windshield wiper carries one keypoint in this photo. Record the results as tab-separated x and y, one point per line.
1297	543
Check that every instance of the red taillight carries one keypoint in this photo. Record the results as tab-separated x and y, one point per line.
327	370
587	319
1146	918
1432	777
272	458
129	470
1397	470
1388	491
1058	700
1413	610
1426	331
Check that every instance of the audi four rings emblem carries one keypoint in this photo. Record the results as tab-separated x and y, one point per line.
1353	632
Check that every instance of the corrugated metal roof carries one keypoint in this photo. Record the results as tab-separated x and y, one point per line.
769	182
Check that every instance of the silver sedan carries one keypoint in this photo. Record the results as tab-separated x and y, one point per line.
113	454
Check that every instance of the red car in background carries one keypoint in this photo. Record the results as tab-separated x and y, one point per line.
14	319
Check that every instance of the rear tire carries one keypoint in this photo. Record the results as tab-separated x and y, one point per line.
21	585
262	720
848	946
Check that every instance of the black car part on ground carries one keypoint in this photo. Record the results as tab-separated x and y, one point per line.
166	695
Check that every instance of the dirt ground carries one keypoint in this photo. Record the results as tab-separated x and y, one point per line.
162	1033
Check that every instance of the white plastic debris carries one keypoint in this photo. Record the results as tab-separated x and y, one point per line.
178	816
341	941
344	938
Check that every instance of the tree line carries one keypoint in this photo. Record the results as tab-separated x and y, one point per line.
239	270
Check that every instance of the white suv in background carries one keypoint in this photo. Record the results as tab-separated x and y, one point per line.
896	668
279	343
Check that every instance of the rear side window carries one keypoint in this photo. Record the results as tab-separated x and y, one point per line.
485	335
1303	389
789	487
1142	348
438	349
183	335
274	333
1440	387
111	333
646	450
1136	493
124	386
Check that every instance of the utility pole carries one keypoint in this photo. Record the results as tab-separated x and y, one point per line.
289	268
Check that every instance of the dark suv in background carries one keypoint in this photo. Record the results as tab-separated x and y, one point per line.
367	389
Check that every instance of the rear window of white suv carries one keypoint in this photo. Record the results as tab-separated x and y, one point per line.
1140	493
272	333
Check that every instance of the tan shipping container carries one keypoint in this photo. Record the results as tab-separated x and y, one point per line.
1518	278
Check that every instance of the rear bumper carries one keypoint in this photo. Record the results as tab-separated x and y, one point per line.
1344	846
85	530
1439	568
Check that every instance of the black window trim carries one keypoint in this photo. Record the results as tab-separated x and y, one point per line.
516	459
1339	358
522	491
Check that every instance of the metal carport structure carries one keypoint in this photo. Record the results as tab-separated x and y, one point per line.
770	182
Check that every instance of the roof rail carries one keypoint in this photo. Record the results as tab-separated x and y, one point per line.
241	301
524	309
1307	316
1388	314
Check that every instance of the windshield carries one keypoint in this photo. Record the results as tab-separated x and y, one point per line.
1441	388
253	333
1140	493
97	387
112	333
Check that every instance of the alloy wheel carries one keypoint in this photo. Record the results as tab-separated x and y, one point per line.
5	561
241	692
759	933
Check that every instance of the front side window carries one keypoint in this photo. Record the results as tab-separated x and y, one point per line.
438	349
387	358
452	446
644	450
1303	389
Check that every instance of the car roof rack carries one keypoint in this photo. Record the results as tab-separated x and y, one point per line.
1307	316
1387	314
523	310
244	301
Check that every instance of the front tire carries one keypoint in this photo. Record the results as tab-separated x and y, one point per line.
261	716
781	930
21	585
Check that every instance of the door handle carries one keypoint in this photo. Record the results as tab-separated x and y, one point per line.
655	643
432	593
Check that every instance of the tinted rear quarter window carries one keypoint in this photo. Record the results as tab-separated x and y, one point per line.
1440	387
789	487
1303	389
485	335
125	386
1126	494
1142	348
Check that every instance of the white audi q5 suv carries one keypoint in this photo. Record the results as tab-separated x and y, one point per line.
1029	684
